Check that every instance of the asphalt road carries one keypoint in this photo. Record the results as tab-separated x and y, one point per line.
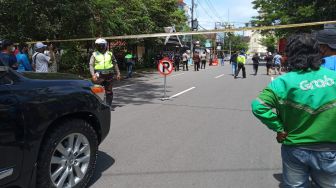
205	137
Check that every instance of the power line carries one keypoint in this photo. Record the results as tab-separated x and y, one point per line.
214	12
206	12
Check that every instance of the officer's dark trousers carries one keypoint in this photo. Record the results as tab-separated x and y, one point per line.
241	66
106	81
185	64
203	64
255	68
177	65
196	65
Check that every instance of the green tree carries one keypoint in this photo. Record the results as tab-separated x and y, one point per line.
237	42
41	20
33	20
273	12
270	42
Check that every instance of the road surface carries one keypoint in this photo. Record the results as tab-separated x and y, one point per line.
205	136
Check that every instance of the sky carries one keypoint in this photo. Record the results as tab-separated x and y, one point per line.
210	11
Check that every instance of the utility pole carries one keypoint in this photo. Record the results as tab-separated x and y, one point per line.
192	26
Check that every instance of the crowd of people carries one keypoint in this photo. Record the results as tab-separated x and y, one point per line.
275	63
22	57
199	58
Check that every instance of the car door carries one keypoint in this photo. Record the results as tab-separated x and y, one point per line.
10	131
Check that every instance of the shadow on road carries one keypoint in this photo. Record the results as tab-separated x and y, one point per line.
201	171
142	92
104	162
279	178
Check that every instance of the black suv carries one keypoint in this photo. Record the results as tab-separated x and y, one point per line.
50	129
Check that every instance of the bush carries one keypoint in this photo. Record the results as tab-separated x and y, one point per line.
75	60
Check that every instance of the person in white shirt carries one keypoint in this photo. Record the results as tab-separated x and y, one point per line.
185	58
203	59
40	60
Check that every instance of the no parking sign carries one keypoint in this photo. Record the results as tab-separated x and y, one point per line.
165	66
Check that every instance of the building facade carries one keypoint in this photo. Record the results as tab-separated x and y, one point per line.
255	45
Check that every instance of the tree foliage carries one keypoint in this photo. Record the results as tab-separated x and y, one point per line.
236	41
34	20
273	12
270	42
49	19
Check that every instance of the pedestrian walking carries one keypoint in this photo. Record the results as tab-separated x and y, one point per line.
129	58
211	59
277	63
255	60
22	58
233	62
203	59
197	60
241	61
269	63
177	60
185	58
222	55
7	56
103	66
41	61
327	42
300	107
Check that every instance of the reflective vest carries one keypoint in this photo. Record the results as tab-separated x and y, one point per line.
103	61
241	59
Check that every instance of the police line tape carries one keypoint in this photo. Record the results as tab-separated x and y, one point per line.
141	36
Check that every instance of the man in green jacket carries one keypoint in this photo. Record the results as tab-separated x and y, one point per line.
300	107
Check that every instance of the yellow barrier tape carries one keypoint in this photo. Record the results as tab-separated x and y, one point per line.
197	32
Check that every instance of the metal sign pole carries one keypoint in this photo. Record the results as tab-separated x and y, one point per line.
165	87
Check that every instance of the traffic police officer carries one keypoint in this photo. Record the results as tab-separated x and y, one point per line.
103	66
241	60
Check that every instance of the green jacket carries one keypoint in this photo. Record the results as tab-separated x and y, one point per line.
303	104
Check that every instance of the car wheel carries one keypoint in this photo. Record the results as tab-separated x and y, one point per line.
68	156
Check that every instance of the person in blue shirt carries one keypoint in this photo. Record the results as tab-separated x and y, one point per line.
327	41
7	56
277	62
22	58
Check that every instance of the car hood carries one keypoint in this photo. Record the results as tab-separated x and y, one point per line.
50	76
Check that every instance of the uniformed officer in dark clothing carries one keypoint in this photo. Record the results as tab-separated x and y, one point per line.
177	60
255	60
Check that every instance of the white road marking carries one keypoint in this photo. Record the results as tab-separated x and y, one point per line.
219	76
124	86
177	75
185	91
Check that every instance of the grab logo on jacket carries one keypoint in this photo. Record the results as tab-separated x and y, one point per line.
306	85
